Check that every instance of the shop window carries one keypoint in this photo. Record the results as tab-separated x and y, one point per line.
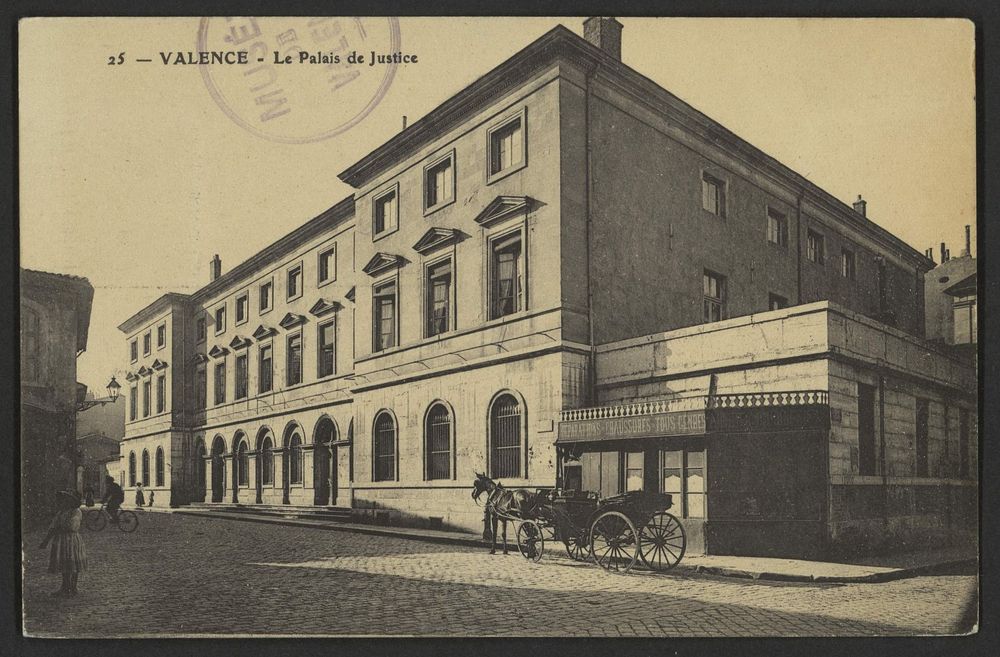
634	470
683	477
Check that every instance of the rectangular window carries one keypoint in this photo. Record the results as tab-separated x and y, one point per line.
133	403
201	387
683	475
200	329
146	394
146	343
438	298
815	248
384	305
386	217
507	147
161	336
714	302
220	320
634	466
328	265
921	437
507	272
847	264
867	458
294	282
776	302
964	316
439	183
133	350
241	376
327	349
161	393
777	227
242	308
713	194
265	296
293	370
220	383
266	369
963	443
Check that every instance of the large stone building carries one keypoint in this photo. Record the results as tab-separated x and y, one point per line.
55	321
565	275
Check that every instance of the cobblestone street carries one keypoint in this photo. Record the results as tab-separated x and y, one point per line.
188	576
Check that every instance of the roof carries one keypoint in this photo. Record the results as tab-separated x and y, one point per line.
561	42
332	216
77	285
964	287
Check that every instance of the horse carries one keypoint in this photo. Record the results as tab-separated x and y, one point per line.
501	504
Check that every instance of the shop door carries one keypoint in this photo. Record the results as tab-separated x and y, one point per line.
682	475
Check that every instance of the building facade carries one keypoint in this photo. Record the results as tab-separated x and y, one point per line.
55	321
443	318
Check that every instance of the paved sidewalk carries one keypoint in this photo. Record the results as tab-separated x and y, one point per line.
870	570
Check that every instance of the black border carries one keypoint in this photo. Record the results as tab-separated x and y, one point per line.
984	14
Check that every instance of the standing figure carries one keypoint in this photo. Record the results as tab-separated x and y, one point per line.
68	556
151	494
140	498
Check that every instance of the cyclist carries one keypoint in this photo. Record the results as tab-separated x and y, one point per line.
113	497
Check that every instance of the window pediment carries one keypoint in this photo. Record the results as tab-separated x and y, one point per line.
145	371
218	351
324	306
200	358
502	207
382	261
435	238
263	332
290	320
350	295
239	342
159	364
131	376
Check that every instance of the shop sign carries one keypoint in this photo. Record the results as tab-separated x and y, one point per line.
679	423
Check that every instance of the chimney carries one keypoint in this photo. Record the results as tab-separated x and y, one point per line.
944	253
404	122
860	206
929	254
947	255
605	33
216	267
968	241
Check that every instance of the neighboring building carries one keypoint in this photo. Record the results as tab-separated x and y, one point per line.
499	258
99	429
950	299
55	319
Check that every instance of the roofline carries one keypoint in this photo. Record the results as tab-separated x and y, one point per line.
561	41
84	299
150	311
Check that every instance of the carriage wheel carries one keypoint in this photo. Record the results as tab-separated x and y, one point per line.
127	521
662	542
94	520
577	547
614	542
530	542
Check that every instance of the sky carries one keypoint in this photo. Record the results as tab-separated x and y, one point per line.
134	175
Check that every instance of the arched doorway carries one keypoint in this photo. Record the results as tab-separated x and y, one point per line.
265	462
218	469
325	463
241	465
199	471
292	462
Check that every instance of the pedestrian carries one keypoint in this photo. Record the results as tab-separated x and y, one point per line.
140	499
89	496
151	494
67	556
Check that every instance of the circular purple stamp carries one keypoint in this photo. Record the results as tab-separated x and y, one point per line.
304	79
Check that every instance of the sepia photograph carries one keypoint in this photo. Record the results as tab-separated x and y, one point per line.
498	327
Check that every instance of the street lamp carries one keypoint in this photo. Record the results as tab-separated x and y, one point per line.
113	389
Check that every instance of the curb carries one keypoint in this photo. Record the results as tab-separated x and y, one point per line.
719	571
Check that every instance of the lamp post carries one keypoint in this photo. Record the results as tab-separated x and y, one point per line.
113	388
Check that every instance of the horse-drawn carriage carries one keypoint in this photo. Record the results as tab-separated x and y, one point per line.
615	532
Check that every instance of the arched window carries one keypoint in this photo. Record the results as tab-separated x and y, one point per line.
437	442
131	469
145	467
243	464
295	459
266	462
384	452
159	466
505	438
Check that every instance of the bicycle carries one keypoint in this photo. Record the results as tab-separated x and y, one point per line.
97	519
